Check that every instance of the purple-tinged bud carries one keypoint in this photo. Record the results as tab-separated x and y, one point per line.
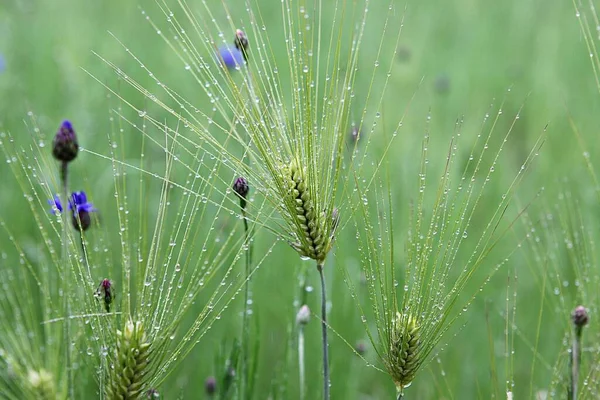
360	347
303	315
104	292
355	133
580	317
65	146
210	385
231	57
241	42
241	188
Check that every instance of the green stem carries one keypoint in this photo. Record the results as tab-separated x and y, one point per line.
324	334
245	325
301	360
575	363
66	276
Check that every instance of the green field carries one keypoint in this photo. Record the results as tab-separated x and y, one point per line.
452	71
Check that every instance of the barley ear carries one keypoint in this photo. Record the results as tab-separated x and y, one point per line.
127	376
42	384
403	359
314	238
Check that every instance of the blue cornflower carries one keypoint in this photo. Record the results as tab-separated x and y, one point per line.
80	207
230	56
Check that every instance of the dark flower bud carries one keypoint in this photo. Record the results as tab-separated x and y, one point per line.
580	317
303	315
241	42
360	348
65	146
82	220
241	188
81	211
355	133
210	385
104	292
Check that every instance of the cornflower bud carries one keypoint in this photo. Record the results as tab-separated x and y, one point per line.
65	146
241	188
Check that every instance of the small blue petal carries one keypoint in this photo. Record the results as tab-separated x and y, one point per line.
67	125
56	204
231	57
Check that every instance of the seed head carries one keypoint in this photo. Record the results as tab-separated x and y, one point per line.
210	385
303	315
241	188
132	357
231	57
315	233
65	146
241	42
580	317
403	359
42	383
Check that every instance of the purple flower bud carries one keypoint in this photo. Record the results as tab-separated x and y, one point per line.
231	57
580	317
241	188
303	315
104	293
81	210
65	146
80	207
361	347
241	43
210	385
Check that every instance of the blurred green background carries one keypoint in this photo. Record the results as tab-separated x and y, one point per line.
455	57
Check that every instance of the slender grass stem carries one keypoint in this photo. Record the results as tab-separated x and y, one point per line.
66	276
84	251
301	360
245	323
324	334
575	362
580	319
400	396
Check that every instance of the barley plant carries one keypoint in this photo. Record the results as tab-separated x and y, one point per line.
415	305
180	176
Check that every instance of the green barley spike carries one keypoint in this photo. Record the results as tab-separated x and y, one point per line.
131	361
42	384
403	359
314	238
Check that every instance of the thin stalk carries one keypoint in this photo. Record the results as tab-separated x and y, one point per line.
245	324
83	250
66	278
324	334
301	360
575	362
400	395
